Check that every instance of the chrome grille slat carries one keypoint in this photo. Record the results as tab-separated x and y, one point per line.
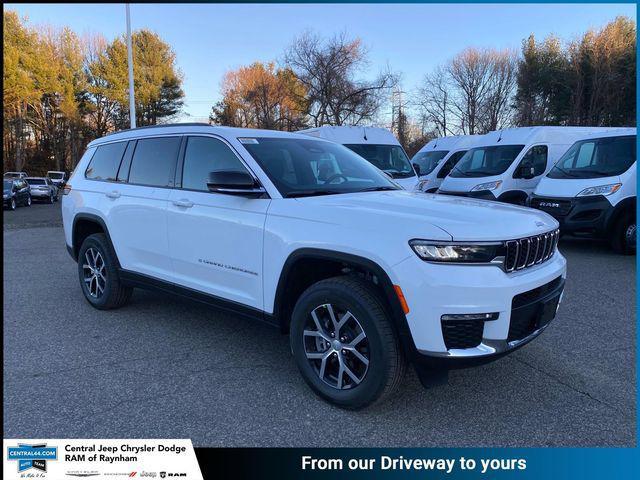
529	251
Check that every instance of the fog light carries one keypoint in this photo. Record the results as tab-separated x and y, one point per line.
470	316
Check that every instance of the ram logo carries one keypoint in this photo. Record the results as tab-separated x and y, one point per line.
550	204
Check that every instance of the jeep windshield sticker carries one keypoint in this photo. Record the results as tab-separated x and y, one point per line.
248	141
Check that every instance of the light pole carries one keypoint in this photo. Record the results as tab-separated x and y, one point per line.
132	100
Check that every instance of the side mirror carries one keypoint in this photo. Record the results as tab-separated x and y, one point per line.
416	167
233	182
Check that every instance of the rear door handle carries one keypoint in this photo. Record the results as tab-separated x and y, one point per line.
183	202
113	194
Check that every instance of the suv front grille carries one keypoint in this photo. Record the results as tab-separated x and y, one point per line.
462	333
529	251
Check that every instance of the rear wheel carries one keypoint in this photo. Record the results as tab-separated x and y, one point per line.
51	198
12	204
344	343
28	202
98	274
623	237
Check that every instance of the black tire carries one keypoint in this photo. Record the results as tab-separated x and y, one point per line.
12	204
387	364
50	198
28	201
623	236
114	293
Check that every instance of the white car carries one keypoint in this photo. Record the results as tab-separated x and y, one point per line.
506	165
365	277
592	189
377	145
436	159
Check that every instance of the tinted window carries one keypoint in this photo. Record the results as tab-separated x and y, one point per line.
36	181
425	162
600	157
536	157
388	158
154	161
105	162
204	156
451	162
486	161
301	167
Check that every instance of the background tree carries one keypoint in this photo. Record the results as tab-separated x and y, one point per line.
261	96
330	71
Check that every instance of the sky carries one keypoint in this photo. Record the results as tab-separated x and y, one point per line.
412	39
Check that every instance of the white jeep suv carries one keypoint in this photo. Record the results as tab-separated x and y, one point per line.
365	277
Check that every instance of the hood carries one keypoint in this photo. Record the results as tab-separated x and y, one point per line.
569	187
465	184
429	216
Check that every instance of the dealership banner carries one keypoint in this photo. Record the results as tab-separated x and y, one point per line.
99	459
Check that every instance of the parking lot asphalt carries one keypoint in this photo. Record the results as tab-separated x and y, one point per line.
162	367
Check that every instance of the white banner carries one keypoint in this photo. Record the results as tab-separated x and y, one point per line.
99	459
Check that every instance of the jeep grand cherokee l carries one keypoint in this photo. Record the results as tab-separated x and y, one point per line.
365	277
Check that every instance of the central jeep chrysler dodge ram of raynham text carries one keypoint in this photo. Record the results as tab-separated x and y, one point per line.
365	277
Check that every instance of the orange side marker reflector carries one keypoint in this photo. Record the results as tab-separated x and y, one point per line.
403	301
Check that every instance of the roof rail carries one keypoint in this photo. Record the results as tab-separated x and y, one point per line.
186	124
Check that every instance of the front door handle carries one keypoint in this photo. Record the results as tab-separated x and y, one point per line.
183	202
113	194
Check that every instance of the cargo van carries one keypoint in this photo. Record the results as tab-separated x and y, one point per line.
506	165
434	161
376	145
591	190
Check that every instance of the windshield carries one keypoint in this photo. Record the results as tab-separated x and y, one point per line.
11	175
55	175
598	157
388	158
486	161
300	167
425	162
7	185
36	181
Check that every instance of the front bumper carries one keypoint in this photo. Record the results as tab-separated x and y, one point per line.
482	194
432	291
585	216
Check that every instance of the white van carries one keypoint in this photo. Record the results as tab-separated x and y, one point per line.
591	191
434	161
376	145
506	165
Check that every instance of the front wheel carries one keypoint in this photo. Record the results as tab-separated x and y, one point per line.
12	204
98	274
623	237
344	343
28	202
51	198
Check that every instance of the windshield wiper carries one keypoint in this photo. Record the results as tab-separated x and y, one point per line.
566	172
309	193
461	172
376	189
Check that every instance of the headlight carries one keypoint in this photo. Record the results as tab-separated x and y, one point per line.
487	186
445	252
600	190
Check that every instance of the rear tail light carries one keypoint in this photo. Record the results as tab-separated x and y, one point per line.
66	189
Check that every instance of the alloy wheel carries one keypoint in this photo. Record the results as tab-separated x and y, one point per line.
13	204
336	346
94	272
630	235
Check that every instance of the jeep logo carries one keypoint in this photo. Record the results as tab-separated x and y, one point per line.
550	204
